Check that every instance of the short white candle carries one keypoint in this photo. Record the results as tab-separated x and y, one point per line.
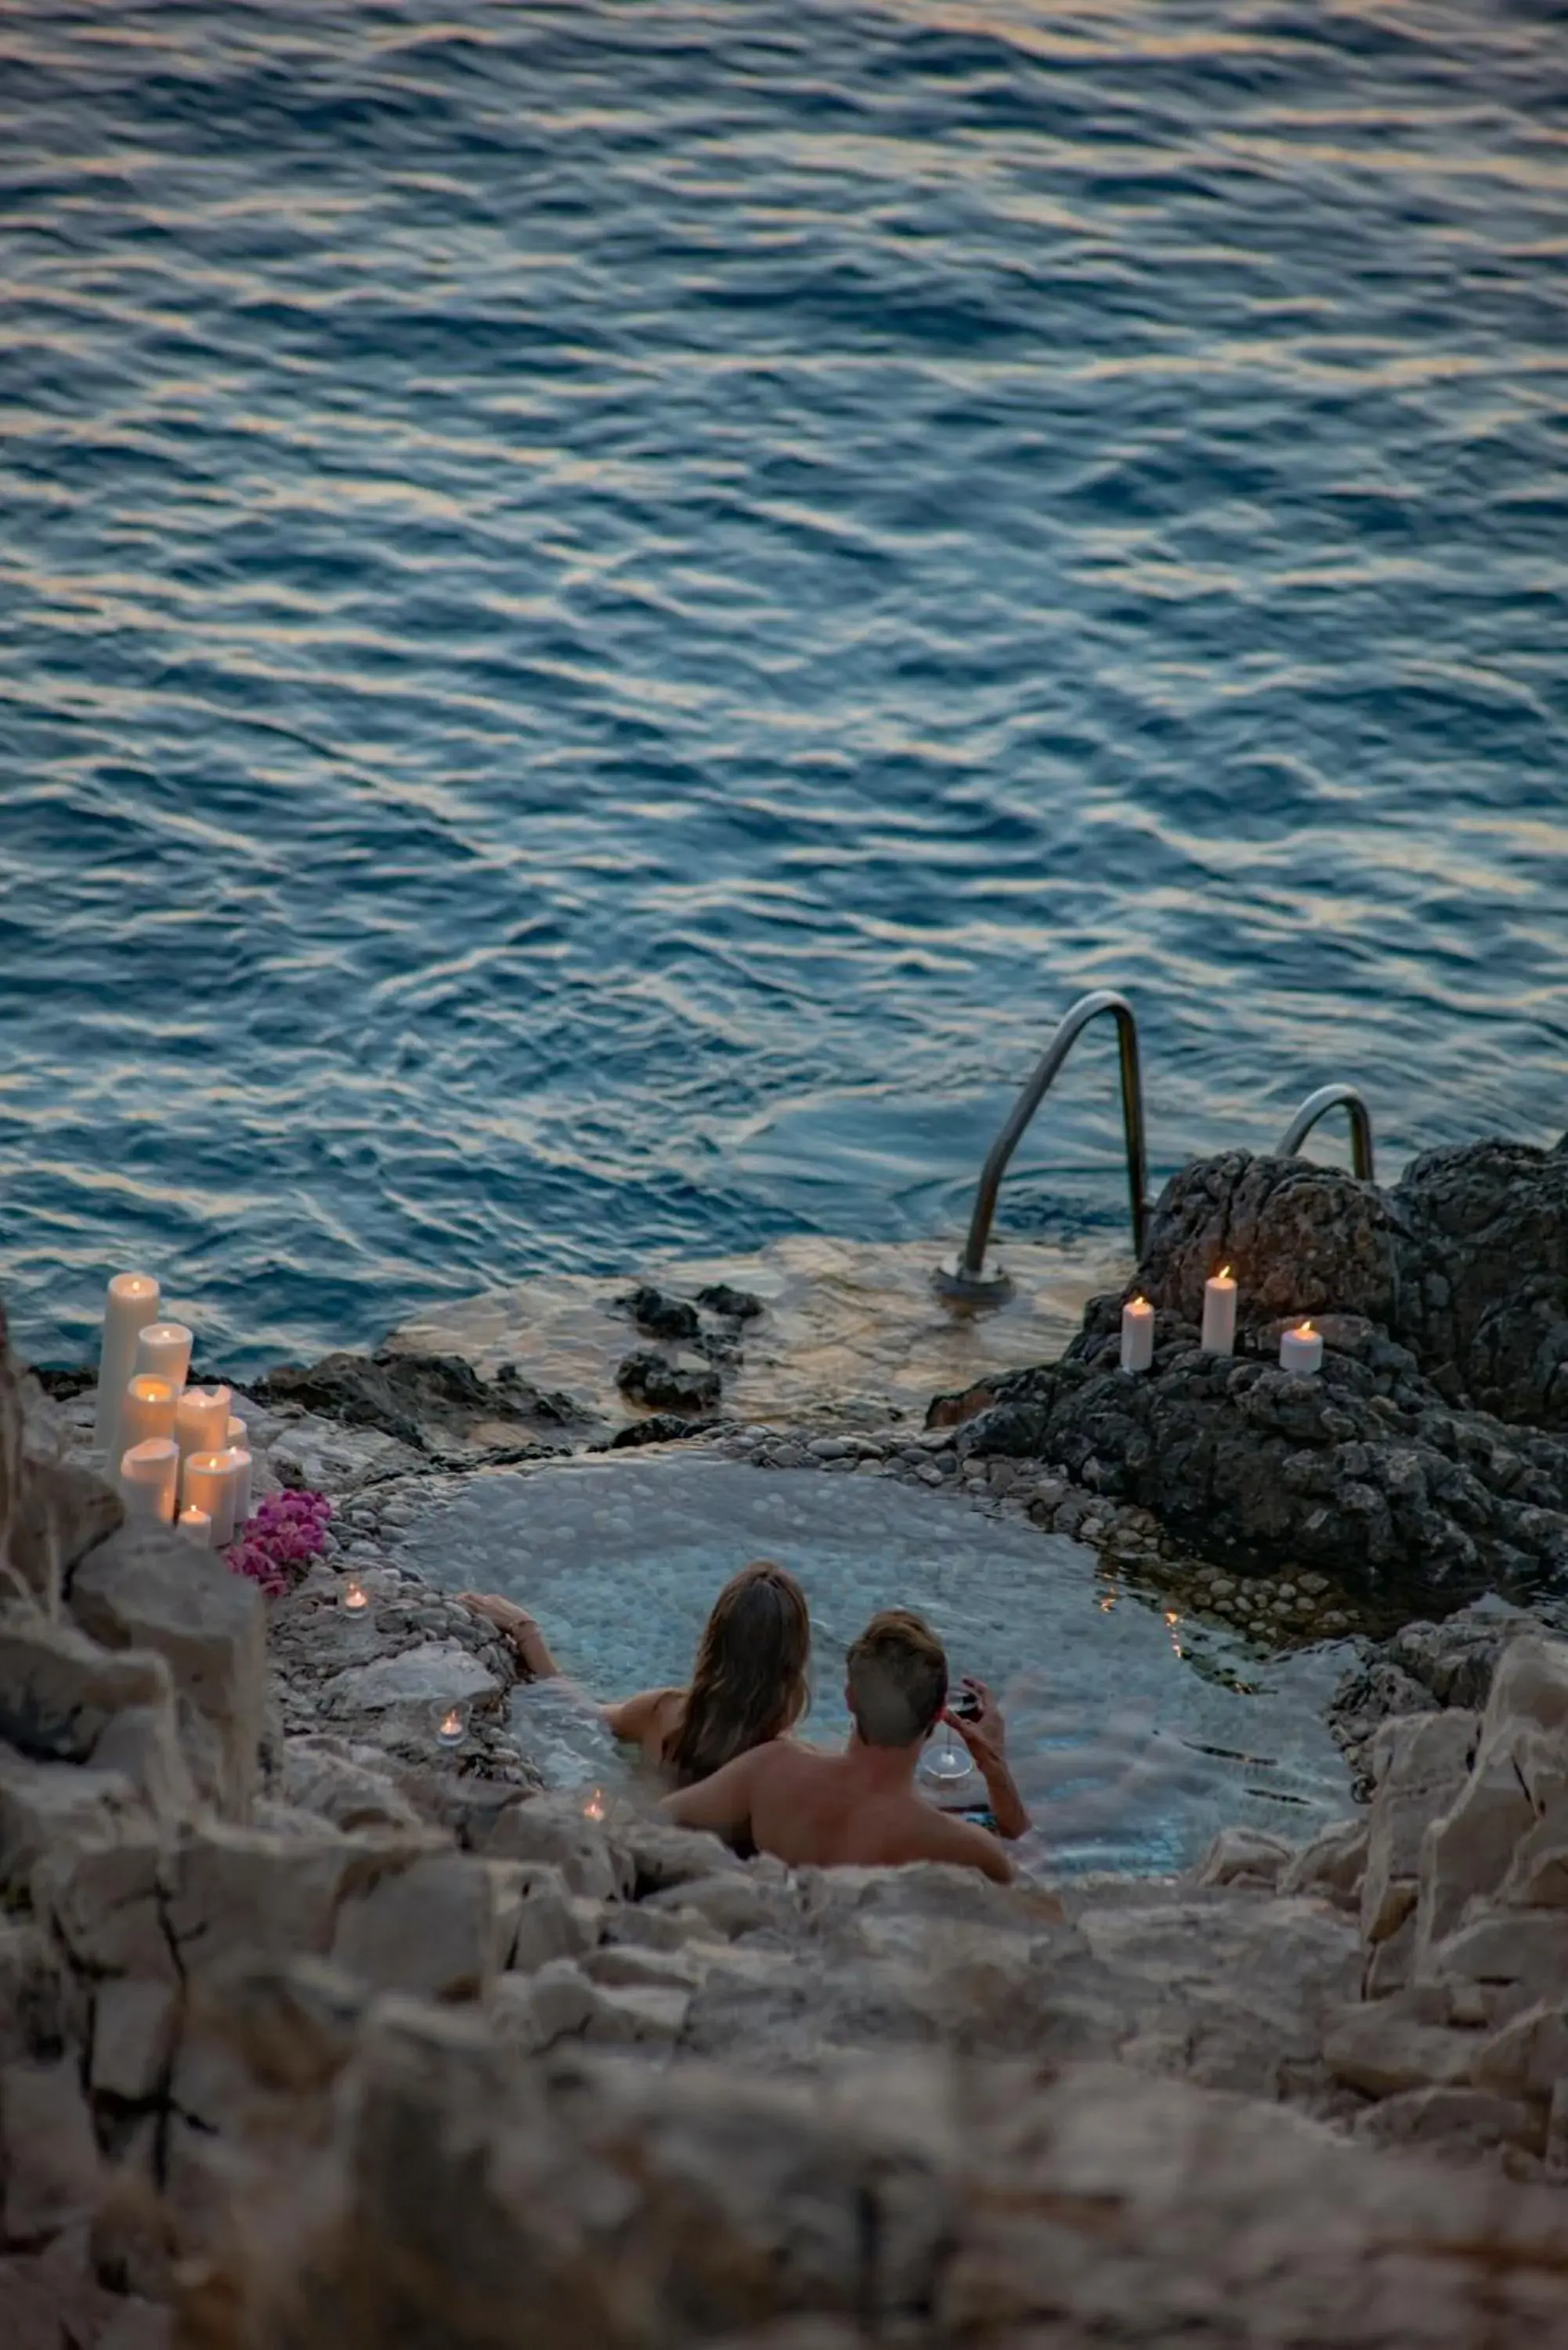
1301	1350
1219	1313
1137	1335
210	1482
131	1305
164	1349
202	1420
148	1475
147	1411
197	1526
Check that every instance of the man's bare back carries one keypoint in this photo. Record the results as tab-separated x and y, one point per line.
812	1810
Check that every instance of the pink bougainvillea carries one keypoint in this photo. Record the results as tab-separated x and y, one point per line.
276	1544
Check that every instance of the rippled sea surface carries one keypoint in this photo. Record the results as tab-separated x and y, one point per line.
605	610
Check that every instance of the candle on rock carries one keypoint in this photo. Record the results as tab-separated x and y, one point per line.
239	1440
147	1412
131	1305
197	1526
239	1460
148	1475
209	1482
355	1598
202	1420
164	1349
1300	1350
451	1730
1137	1335
1219	1314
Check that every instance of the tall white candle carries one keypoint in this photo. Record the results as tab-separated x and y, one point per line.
147	1411
164	1349
210	1482
202	1420
1137	1335
148	1475
239	1440
131	1305
1219	1313
196	1526
1300	1350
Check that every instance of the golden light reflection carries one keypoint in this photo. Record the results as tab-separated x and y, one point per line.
594	1809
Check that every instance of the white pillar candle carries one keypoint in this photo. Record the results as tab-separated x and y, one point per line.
241	1460
148	1475
131	1305
197	1526
1137	1335
164	1349
202	1420
147	1411
1219	1314
1300	1350
209	1482
239	1440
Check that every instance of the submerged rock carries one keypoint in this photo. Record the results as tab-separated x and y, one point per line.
681	1386
428	1402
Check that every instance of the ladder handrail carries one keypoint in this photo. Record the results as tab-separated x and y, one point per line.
970	1276
1317	1105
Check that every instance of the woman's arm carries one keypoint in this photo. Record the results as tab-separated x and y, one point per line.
517	1628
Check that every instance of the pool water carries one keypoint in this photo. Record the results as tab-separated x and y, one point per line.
1133	1734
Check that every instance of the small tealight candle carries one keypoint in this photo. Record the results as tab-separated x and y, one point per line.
1137	1335
1219	1314
202	1420
148	1475
355	1598
451	1731
164	1349
131	1303
1300	1350
210	1481
594	1809
196	1526
147	1412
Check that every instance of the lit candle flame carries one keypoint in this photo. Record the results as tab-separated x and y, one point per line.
1139	1305
355	1596
1223	1274
1305	1331
452	1725
594	1809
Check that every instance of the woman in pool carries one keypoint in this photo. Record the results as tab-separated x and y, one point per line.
749	1682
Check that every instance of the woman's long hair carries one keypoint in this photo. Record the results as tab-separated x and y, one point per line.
749	1683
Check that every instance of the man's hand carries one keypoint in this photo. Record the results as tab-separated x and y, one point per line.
986	1738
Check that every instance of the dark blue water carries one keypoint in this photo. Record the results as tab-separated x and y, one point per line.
603	610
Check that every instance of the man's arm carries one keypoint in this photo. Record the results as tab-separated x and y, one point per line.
723	1803
986	1737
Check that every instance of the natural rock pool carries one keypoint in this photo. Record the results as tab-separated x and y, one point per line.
1133	1735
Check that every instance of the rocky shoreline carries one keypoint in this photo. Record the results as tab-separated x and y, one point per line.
317	2034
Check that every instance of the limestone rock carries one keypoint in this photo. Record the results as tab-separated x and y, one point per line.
134	2028
62	1511
1385	2049
47	1807
325	1777
554	1828
1458	2120
430	1929
48	2157
146	1587
59	1691
1332	1865
1242	1856
1421	1764
1528	2056
432	1403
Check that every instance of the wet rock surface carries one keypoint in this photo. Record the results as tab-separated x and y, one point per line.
1384	1473
430	1403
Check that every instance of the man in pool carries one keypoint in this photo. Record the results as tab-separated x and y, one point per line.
861	1808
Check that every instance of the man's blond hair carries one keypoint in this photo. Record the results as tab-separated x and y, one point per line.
898	1678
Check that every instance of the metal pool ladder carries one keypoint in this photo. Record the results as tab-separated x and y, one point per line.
968	1281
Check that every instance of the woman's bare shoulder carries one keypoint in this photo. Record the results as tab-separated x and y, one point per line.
651	1710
